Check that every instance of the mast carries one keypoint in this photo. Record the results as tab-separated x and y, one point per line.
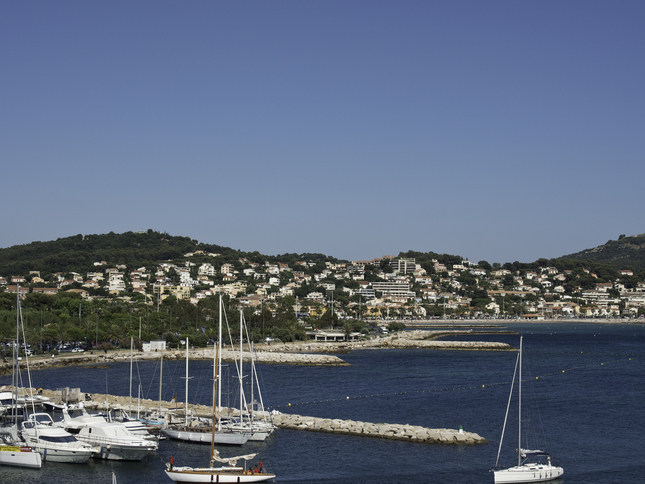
519	413
160	377
508	406
15	360
186	391
186	378
218	366
241	374
131	346
214	406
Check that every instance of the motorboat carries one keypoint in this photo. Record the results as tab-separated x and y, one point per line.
115	442
53	443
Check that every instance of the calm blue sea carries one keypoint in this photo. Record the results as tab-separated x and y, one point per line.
587	381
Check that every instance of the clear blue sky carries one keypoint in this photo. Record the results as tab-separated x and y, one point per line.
496	130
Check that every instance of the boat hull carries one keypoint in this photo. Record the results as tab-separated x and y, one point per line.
206	437
19	457
218	474
528	473
121	452
64	456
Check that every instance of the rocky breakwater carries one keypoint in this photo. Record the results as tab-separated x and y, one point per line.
279	358
412	433
39	363
427	340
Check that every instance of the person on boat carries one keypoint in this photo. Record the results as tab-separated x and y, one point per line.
261	467
172	462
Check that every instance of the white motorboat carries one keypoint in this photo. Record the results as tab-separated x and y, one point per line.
532	465
137	427
54	443
115	442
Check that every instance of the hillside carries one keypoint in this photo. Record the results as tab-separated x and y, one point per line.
626	252
78	253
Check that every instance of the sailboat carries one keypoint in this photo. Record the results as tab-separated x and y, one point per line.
228	473
532	465
201	433
252	416
13	452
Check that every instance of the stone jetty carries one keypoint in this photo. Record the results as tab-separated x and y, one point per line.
428	340
411	433
392	431
281	358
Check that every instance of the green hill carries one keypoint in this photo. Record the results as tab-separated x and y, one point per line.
78	253
624	253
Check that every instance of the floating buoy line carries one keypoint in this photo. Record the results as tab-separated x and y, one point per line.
436	390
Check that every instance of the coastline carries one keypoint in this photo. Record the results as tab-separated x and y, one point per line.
317	353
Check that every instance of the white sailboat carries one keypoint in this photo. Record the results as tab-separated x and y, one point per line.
532	465
224	474
13	452
252	416
201	433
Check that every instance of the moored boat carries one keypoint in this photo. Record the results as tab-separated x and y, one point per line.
224	474
115	442
53	443
19	456
13	452
528	468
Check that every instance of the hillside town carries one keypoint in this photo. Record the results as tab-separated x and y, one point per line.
387	287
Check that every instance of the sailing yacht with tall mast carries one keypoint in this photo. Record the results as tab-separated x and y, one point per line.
224	474
252	417
14	452
528	469
204	433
